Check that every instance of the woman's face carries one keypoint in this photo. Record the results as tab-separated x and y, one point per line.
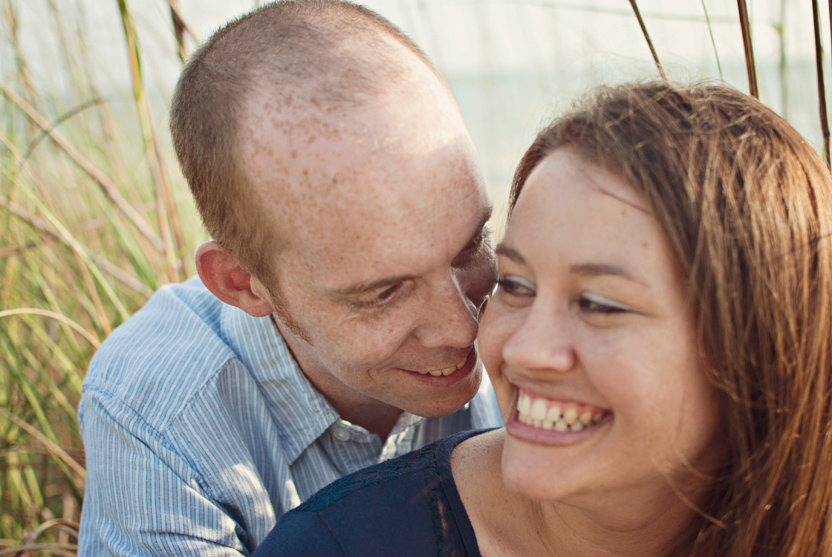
591	344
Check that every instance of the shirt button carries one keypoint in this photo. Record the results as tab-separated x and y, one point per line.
341	434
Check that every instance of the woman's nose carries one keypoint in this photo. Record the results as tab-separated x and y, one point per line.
543	341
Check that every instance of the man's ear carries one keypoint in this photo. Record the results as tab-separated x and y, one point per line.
222	274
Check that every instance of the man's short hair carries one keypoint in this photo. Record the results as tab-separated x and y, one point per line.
323	53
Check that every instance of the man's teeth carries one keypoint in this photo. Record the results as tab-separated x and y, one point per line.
536	412
446	371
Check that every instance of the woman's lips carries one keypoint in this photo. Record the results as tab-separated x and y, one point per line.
544	420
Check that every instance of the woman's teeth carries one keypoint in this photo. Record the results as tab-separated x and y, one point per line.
543	413
446	371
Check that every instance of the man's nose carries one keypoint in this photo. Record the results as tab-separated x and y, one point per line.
450	317
477	279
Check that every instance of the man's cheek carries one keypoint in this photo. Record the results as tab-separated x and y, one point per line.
379	343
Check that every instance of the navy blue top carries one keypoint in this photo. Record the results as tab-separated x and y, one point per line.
406	507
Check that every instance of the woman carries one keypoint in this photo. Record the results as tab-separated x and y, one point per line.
659	343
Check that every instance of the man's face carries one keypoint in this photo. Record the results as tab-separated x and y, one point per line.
389	258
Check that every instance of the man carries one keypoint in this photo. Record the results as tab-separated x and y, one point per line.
332	168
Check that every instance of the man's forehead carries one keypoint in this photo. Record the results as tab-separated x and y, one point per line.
275	124
303	158
387	207
290	125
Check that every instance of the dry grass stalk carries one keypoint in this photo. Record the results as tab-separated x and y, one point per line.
165	208
647	38
824	120
750	66
65	529
99	177
54	549
713	41
178	29
56	316
102	315
42	226
65	237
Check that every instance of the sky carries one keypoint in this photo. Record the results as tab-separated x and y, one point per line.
512	64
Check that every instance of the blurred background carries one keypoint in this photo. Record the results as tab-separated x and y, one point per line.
94	214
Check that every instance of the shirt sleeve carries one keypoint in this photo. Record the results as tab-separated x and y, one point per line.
284	541
141	496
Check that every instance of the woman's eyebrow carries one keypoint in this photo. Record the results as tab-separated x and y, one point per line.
599	269
586	269
510	253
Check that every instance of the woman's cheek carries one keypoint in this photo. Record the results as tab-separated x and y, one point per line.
498	324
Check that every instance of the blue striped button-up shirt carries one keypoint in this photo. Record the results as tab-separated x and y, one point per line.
200	431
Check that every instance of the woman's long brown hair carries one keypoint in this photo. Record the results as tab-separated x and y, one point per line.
747	206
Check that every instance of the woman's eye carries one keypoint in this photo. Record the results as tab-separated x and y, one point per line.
514	286
594	303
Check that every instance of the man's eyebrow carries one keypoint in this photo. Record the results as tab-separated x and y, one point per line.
485	216
370	286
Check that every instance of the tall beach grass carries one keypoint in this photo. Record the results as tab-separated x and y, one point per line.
93	218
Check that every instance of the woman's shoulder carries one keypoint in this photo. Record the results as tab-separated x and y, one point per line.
397	470
392	508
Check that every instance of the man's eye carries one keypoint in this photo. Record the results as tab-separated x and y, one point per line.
385	295
382	298
475	243
594	303
514	286
469	252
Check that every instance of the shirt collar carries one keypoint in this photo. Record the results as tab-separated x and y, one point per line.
300	412
405	421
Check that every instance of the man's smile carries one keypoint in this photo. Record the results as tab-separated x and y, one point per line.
446	371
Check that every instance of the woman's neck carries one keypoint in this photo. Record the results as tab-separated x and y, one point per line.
629	530
507	524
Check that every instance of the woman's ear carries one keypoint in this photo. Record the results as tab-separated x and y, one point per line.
223	276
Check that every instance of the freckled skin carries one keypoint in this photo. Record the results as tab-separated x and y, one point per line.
387	189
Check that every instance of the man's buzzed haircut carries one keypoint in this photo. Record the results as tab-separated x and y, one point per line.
327	54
